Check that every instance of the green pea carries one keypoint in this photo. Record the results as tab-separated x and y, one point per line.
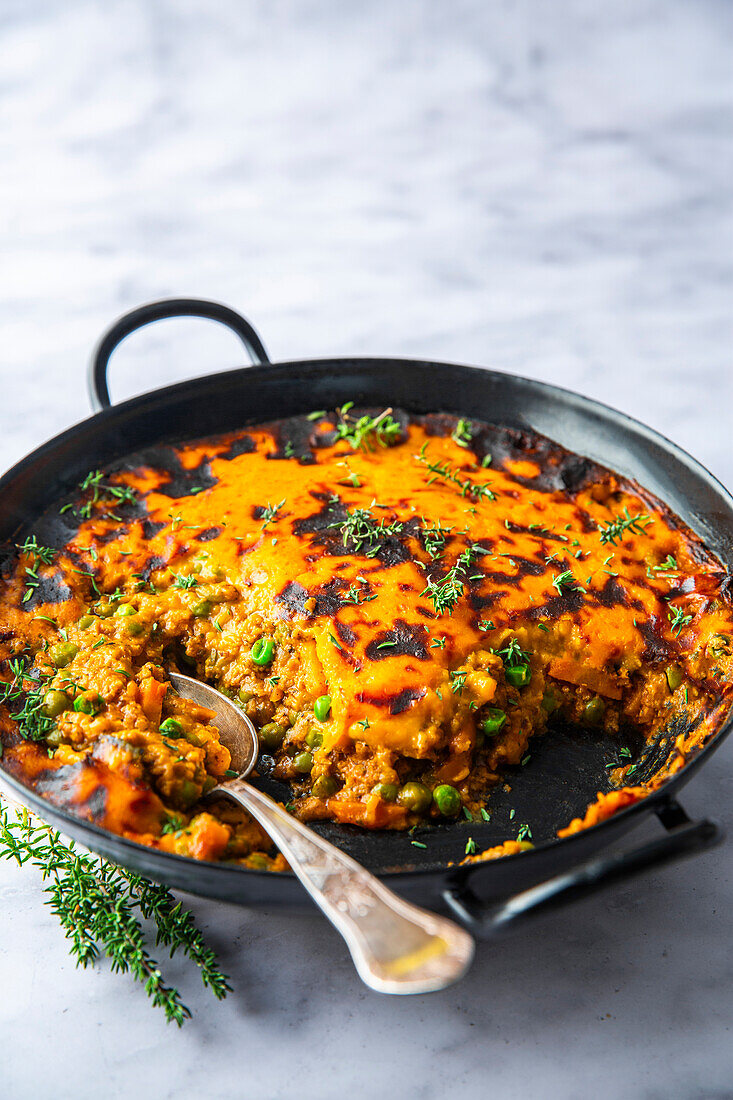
493	721
88	704
194	738
387	791
54	738
518	675
103	610
188	793
303	763
550	702
171	726
314	739
258	862
262	651
125	611
63	654
245	696
447	799
271	736
55	703
322	707
135	629
324	786
594	710
201	609
415	797
85	622
674	677
209	784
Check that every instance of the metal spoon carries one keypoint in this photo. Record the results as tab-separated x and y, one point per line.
396	947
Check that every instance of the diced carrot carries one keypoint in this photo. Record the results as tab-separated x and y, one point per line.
374	815
577	672
152	695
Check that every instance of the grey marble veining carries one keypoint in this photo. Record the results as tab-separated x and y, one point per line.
543	188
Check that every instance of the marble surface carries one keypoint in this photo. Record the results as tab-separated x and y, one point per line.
543	188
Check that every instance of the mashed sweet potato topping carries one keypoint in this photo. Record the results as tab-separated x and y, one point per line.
399	604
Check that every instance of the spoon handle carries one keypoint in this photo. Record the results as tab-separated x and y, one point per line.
396	947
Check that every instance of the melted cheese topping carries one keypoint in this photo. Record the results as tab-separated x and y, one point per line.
406	581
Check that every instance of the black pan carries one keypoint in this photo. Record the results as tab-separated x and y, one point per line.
567	768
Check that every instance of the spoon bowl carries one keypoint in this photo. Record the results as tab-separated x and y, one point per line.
396	946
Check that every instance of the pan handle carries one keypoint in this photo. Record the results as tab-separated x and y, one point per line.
683	838
158	311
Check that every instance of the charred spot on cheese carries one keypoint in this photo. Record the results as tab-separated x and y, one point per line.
209	534
239	444
405	640
150	527
177	479
410	607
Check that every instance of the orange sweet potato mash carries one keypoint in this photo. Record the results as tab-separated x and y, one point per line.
398	603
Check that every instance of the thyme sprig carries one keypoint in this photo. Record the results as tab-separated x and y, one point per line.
610	532
185	581
434	538
38	555
446	592
462	434
678	620
445	472
26	696
97	905
362	433
270	512
361	528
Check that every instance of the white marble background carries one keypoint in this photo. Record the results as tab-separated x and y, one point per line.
542	187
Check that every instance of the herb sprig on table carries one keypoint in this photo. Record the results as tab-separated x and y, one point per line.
99	907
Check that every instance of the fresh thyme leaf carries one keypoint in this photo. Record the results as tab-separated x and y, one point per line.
362	433
513	654
669	565
610	532
448	473
362	529
564	580
269	512
41	555
446	592
462	434
26	695
173	824
434	538
470	848
458	680
678	619
97	904
184	582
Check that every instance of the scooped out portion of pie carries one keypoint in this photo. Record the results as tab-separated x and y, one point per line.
400	604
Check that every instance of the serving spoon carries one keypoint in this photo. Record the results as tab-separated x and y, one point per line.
396	946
